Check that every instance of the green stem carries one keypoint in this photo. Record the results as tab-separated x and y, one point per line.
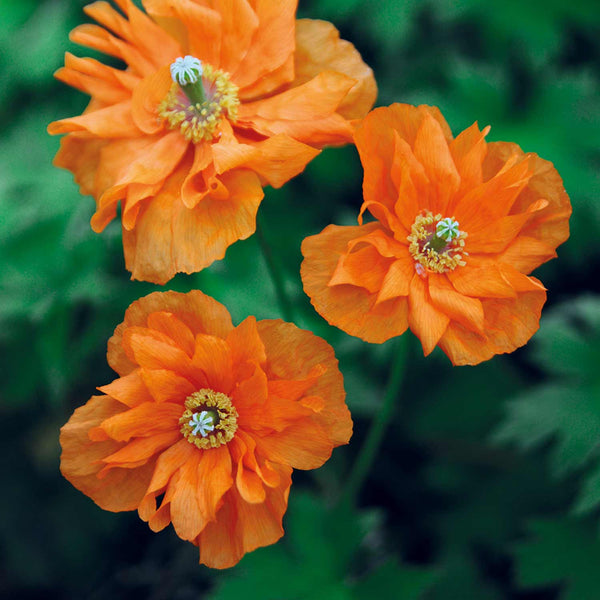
381	420
274	271
195	91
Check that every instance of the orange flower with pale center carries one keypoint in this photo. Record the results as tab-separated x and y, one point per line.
211	418
218	99
459	224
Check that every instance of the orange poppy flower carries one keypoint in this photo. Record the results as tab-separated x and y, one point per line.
219	98
459	223
211	418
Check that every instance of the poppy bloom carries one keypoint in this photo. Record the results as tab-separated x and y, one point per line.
459	224
218	99
209	417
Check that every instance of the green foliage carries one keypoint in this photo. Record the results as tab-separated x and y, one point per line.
566	415
446	514
319	558
562	551
566	411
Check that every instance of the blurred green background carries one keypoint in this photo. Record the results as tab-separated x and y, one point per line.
487	485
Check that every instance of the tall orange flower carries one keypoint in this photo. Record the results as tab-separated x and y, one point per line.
219	98
459	224
210	417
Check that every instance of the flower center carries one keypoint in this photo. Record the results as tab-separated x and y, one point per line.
436	243
198	99
209	419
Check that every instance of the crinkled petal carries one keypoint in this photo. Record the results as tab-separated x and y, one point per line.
169	238
353	309
319	48
201	313
426	321
242	527
294	353
467	311
130	390
144	420
121	489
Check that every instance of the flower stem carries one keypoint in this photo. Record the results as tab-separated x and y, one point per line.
275	272
381	420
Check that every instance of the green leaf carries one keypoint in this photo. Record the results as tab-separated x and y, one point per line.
460	580
568	342
316	560
568	415
563	552
393	580
589	497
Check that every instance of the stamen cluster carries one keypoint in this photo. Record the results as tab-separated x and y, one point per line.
203	406
436	243
198	121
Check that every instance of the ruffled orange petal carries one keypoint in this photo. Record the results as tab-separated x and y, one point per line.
295	389
509	324
352	309
410	179
169	463
138	451
106	84
141	179
302	445
214	479
167	323
146	96
550	225
526	253
432	151
156	44
239	23
113	121
279	158
364	267
375	140
298	354
186	516
166	386
249	396
397	279
120	489
153	350
467	311
144	420
242	527
129	390
220	547
481	282
319	48
248	483
425	320
307	112
80	155
272	44
496	236
193	239
468	151
201	313
247	349
212	356
475	210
